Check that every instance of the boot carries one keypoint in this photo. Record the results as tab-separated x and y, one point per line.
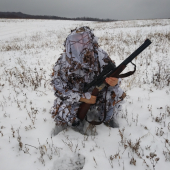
84	128
112	123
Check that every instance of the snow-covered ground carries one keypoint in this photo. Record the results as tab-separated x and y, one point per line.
29	49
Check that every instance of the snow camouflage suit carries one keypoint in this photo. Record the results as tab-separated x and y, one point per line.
81	61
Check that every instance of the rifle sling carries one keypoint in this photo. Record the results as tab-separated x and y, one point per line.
128	73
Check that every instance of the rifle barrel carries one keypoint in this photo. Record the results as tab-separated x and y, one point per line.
137	52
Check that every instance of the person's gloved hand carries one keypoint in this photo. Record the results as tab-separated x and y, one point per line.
92	100
112	81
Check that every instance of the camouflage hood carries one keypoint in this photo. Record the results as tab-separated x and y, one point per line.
82	50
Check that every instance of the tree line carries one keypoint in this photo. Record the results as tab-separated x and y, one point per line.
19	15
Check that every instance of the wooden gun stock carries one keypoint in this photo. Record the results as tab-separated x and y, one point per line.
84	107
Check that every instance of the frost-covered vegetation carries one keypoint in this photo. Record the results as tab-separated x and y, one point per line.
29	49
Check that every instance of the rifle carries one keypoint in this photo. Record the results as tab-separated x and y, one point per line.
109	71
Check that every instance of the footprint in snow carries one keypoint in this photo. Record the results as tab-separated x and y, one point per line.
76	162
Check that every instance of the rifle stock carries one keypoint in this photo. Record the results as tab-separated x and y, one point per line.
84	107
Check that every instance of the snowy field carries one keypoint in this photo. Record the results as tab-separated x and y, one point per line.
28	51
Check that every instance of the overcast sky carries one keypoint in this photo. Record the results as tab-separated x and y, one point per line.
112	9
